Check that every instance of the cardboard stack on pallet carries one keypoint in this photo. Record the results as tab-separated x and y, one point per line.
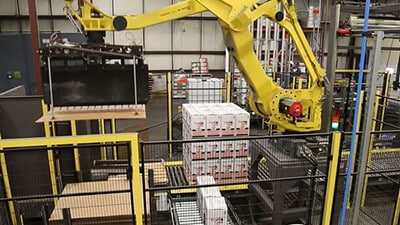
212	205
200	67
204	90
225	159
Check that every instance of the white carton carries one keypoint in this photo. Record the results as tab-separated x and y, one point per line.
216	211
227	166
203	194
161	200
213	149
205	180
240	167
197	168
227	123
227	149
213	123
241	148
195	119
213	167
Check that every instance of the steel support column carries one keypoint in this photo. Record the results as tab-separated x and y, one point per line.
331	65
33	23
367	126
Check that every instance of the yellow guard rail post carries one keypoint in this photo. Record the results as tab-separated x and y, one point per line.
331	179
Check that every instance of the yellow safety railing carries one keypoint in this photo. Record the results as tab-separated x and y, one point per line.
131	138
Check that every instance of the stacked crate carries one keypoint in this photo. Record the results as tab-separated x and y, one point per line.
208	90
225	159
200	67
212	205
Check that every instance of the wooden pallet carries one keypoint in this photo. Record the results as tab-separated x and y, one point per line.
160	173
68	113
95	209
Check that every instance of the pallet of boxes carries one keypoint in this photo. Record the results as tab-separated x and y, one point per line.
225	160
212	205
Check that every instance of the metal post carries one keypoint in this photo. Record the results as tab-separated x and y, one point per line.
354	130
137	187
51	87
7	186
228	86
135	83
367	126
33	23
169	105
153	209
331	66
76	153
67	216
331	179
396	215
50	156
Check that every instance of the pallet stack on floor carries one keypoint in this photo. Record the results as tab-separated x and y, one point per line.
225	159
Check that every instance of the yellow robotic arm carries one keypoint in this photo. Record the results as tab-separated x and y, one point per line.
290	109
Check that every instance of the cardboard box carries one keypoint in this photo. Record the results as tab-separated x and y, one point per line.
203	60
197	168
205	180
205	193
195	119
227	149
213	167
213	123
227	123
161	200
216	211
213	147
195	150
227	167
240	167
242	148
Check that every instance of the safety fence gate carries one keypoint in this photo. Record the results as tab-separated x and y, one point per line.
42	184
261	180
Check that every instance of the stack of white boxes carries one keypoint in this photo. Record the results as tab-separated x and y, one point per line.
200	67
220	159
212	205
207	90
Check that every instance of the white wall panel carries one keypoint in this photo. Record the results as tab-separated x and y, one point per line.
158	62
128	7
9	26
186	35
158	37
8	7
42	7
106	6
131	37
155	4
44	25
64	26
212	37
23	7
58	6
185	61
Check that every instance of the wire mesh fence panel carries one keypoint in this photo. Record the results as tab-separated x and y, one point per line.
380	187
268	180
69	183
